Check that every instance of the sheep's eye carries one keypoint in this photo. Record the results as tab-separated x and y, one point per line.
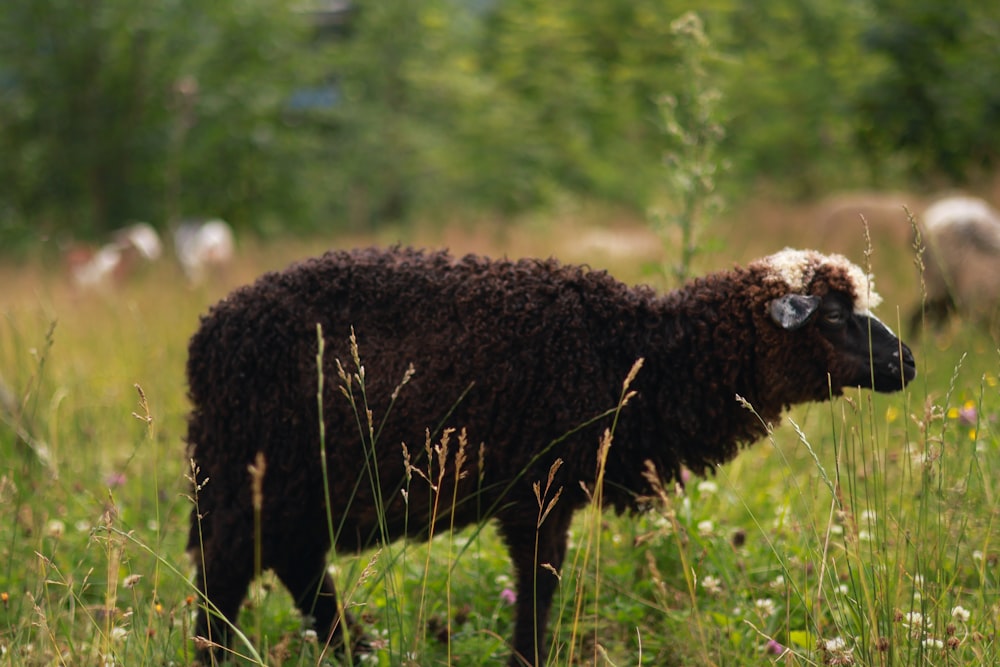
835	316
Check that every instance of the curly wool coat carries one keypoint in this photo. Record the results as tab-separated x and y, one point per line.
528	357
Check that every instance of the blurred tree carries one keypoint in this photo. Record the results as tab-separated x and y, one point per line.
115	110
423	127
936	98
793	68
590	75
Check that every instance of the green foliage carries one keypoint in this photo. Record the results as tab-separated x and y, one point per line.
116	110
690	119
933	100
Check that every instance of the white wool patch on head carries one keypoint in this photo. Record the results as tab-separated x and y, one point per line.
797	268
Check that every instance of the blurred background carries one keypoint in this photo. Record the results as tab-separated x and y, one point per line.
333	116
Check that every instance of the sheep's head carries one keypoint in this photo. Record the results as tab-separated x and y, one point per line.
824	303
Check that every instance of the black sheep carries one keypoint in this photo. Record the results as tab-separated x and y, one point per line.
523	355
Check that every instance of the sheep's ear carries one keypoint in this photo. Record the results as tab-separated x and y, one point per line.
793	310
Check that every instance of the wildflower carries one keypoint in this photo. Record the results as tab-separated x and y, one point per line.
310	636
118	633
82	526
869	517
891	414
705	528
711	584
508	596
764	606
918	580
960	613
55	528
977	555
774	647
5	598
930	642
833	645
966	415
114	480
708	486
915	619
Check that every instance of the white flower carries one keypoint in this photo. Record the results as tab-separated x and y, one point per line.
977	555
708	486
764	606
918	580
779	581
834	645
869	517
960	613
55	528
705	528
711	584
864	536
118	633
930	642
310	636
131	580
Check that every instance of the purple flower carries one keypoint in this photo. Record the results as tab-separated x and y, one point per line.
774	647
508	597
967	415
115	479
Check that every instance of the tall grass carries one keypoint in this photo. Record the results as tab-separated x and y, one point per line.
862	531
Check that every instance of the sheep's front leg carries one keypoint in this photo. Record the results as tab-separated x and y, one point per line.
223	578
537	554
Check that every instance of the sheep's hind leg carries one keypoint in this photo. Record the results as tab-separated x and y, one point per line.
316	597
536	581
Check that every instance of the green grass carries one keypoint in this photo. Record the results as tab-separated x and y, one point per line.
821	544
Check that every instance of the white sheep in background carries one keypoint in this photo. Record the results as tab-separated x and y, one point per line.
130	247
962	261
203	246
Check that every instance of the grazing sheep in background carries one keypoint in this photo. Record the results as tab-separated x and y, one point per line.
840	220
962	262
203	246
130	247
528	357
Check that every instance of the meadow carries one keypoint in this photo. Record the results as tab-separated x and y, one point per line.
861	532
